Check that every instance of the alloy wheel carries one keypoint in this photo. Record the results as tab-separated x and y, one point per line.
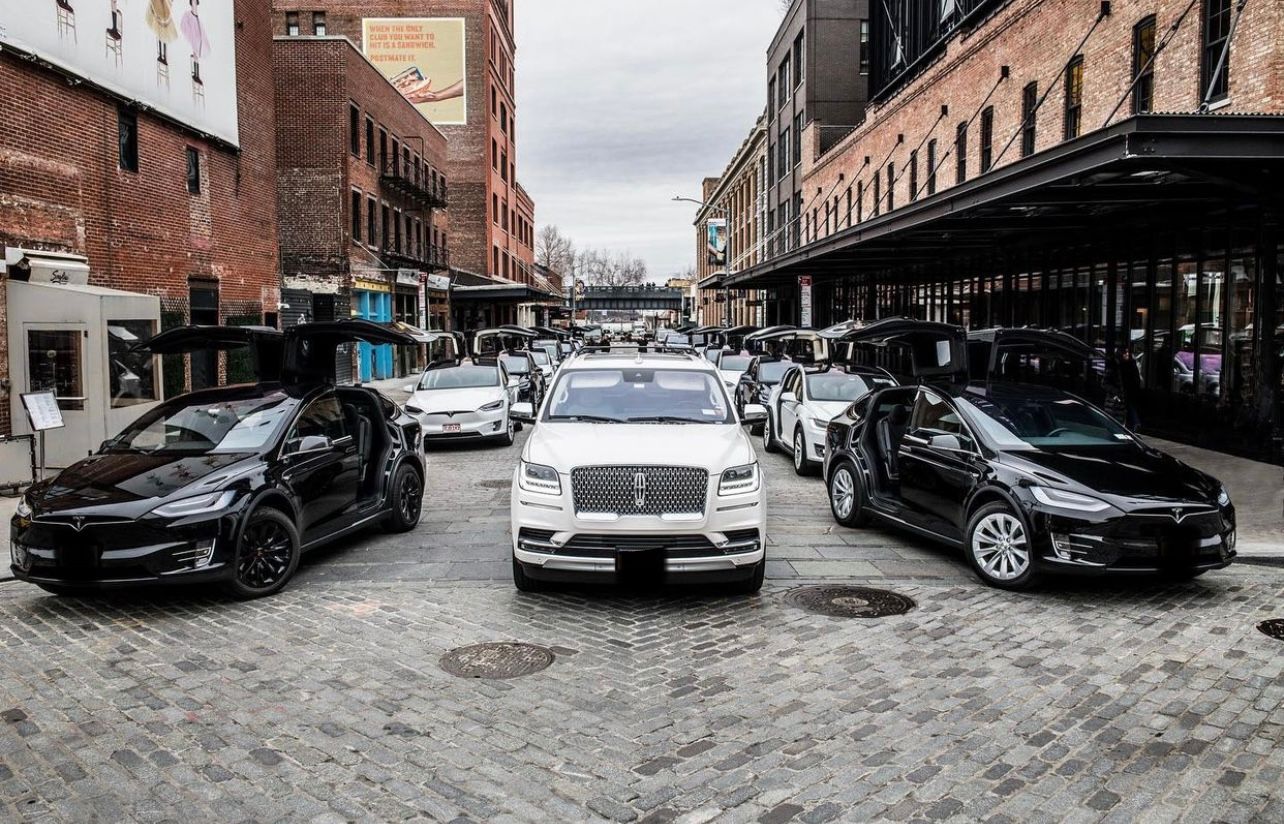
1000	548
800	451
409	498
766	433
265	555
842	493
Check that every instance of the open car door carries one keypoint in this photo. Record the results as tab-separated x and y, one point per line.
493	341
311	348
799	345
1044	357
918	349
265	344
734	338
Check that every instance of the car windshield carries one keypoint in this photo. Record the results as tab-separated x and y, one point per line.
238	425
770	372
735	363
459	377
836	386
627	395
1016	422
516	364
676	339
541	357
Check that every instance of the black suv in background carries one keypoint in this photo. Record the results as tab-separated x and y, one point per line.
230	485
1024	479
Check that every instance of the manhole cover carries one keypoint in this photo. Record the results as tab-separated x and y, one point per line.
850	602
499	660
502	484
1273	628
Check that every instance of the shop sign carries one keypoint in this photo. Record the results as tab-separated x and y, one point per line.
439	282
408	277
804	300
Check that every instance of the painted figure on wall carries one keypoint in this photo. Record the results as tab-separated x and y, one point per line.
160	19
194	33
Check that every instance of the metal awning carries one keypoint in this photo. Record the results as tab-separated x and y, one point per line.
1147	172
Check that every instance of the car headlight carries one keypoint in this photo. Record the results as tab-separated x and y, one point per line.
818	423
739	479
1223	497
200	505
536	478
24	509
1068	500
491	407
413	410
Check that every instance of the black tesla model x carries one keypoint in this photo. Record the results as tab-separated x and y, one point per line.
230	485
1025	479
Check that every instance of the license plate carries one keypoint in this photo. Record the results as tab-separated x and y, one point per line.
451	428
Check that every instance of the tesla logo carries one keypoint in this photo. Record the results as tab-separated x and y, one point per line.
78	523
639	490
1179	514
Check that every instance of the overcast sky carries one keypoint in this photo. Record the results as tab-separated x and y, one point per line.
623	104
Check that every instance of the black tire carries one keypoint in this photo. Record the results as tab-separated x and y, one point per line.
768	442
267	555
507	437
522	581
855	514
406	499
996	537
803	465
753	584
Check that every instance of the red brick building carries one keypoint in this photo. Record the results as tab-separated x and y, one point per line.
109	188
492	218
361	196
1108	169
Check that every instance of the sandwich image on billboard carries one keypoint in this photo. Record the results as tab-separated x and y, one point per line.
424	58
716	243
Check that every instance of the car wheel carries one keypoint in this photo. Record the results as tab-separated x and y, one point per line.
407	500
846	500
522	581
802	465
509	433
999	547
266	556
768	443
753	583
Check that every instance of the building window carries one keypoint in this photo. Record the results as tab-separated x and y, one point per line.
1216	58
494	209
878	193
1143	66
193	171
863	56
318	23
355	217
783	147
383	149
292	23
371	208
849	207
384	234
987	139
503	166
771	99
798	138
503	117
1074	97
913	161
1029	102
785	86
860	201
370	141
891	186
960	152
127	136
354	130
931	166
799	69
496	269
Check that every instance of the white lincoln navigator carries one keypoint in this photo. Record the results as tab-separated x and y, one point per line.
638	472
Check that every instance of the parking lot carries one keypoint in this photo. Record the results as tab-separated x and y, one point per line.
1085	701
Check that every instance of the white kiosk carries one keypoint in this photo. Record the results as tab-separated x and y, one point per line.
75	339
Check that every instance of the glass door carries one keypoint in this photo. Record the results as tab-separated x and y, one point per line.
56	361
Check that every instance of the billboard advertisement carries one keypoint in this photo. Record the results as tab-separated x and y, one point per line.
177	57
716	242
424	57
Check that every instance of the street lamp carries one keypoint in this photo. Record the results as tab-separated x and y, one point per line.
726	263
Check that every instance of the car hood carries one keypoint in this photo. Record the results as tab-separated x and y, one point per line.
130	484
455	400
566	446
1127	473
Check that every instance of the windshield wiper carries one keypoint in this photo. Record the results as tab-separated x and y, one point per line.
585	418
663	419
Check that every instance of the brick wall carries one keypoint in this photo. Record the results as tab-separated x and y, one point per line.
61	188
1035	39
473	182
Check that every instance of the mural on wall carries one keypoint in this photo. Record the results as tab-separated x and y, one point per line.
177	57
425	59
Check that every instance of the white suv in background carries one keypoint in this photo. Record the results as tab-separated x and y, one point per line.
638	472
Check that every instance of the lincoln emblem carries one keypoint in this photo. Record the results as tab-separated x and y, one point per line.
639	489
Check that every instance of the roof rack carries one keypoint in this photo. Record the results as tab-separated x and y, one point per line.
640	348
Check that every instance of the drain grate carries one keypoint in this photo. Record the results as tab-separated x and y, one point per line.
1274	628
850	602
504	484
496	660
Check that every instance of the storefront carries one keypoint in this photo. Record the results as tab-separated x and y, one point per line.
76	339
373	300
1159	235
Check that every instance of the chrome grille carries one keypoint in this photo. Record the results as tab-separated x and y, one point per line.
640	490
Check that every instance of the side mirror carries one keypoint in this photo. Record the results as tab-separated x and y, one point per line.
754	413
953	443
410	387
309	443
513	383
107	444
789	397
524	412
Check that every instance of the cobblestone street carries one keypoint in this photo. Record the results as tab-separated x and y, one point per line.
1086	701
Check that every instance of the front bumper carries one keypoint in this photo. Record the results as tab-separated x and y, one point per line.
106	554
553	543
471	425
1140	543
